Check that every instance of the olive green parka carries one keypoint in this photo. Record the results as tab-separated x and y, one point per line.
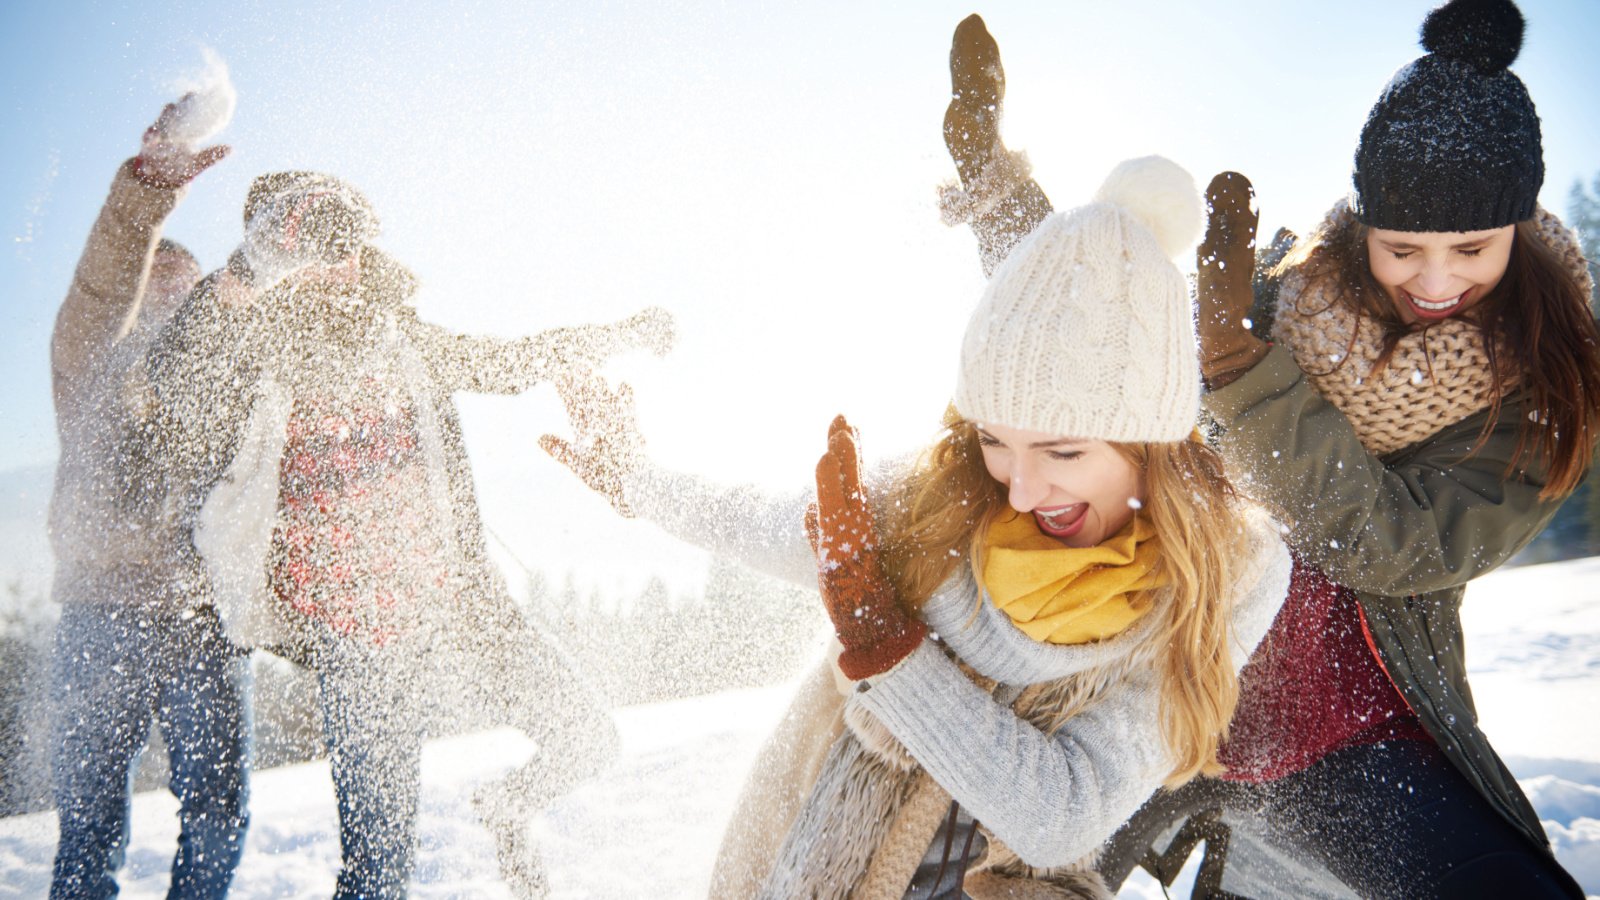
1405	531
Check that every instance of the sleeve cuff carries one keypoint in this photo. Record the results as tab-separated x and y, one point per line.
908	680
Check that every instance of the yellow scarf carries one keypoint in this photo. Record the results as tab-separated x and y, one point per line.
1068	595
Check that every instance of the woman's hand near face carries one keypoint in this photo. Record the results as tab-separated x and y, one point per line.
607	446
875	631
1226	265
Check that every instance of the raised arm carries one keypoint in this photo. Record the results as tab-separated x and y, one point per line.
107	286
761	530
997	195
1431	517
492	365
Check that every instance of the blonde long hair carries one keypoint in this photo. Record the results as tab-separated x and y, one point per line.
936	517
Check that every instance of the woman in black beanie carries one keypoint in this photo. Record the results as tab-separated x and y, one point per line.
1431	396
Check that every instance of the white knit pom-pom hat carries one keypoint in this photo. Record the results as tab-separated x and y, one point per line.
1086	329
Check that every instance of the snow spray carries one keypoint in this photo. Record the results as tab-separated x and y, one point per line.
207	104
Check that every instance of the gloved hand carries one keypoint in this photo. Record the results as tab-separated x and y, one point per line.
167	162
608	446
997	194
1226	262
875	631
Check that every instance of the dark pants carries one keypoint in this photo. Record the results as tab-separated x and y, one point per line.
1387	820
117	670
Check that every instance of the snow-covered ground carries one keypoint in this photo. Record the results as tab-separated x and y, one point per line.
650	827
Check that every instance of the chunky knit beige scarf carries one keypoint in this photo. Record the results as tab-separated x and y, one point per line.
1436	376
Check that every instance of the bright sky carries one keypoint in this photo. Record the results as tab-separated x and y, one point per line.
765	171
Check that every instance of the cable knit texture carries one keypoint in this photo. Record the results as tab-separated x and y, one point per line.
1453	142
1086	328
1064	789
1061	792
1437	375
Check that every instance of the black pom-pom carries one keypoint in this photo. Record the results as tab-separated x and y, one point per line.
1487	34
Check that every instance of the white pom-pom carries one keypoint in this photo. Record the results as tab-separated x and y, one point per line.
1161	195
207	104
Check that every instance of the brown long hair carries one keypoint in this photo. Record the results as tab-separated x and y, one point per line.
936	517
1536	326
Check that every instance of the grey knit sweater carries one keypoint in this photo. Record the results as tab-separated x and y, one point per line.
1052	798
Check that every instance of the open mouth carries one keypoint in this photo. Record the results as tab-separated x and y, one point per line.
1435	309
1062	521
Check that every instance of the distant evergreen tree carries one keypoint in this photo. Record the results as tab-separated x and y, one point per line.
1583	216
1575	530
24	660
743	630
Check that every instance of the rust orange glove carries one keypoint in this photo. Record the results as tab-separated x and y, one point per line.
875	631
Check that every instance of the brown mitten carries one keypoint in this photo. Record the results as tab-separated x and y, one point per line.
555	350
997	195
977	90
1226	269
875	631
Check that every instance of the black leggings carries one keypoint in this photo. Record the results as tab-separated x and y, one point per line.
1389	820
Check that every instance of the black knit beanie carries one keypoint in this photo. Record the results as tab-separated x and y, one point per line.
1453	143
333	216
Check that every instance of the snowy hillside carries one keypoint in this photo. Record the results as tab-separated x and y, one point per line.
651	828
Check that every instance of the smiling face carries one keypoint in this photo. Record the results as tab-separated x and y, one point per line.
1079	491
1433	275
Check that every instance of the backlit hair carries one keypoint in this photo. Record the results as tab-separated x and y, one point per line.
936	517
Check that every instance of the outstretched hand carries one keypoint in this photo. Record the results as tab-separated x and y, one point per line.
568	352
651	328
607	446
1226	269
875	631
167	163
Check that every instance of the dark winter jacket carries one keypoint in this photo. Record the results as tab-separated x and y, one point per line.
1406	531
210	374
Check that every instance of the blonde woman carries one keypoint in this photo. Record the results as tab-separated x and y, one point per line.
1039	621
1427	404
